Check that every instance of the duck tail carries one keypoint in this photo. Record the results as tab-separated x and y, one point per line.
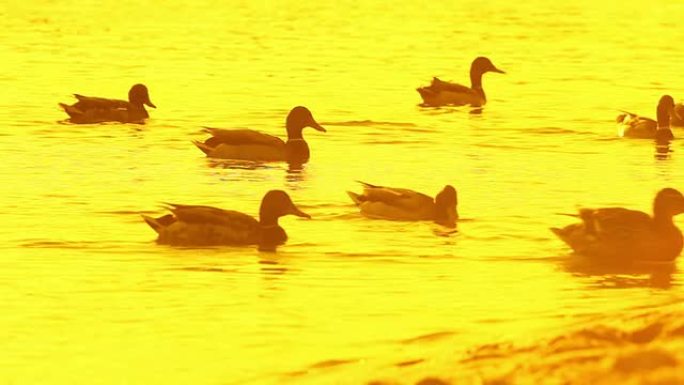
569	215
366	184
563	234
559	232
158	224
356	198
153	223
71	110
425	93
205	149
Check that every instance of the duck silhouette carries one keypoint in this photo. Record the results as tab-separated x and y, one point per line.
246	144
91	109
441	93
407	205
620	234
190	225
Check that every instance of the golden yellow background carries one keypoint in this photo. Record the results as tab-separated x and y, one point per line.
88	298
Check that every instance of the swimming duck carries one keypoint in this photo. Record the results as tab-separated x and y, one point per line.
621	234
441	93
407	205
677	119
189	225
253	145
635	126
90	109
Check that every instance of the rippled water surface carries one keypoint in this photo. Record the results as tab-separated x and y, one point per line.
87	295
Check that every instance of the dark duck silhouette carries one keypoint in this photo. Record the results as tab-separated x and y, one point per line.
441	93
245	144
189	225
617	234
407	205
631	125
91	109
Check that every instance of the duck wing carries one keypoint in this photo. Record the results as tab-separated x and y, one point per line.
398	197
617	223
438	85
610	233
205	226
677	119
240	137
211	215
92	102
635	126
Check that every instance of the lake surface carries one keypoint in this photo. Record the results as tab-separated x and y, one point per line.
88	297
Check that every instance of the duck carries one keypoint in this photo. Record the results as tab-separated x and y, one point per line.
441	93
617	234
379	202
91	109
191	225
246	144
677	119
634	126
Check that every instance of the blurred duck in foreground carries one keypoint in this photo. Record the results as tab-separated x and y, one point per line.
634	126
620	235
210	226
407	205
90	109
245	144
441	93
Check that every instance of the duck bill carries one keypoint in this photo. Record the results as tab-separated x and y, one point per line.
317	126
295	211
497	70
149	103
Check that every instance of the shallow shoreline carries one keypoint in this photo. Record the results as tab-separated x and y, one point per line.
640	347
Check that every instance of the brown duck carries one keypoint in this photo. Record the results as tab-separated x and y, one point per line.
189	225
441	93
619	234
91	109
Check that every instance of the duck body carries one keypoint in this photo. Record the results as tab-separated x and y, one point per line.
631	125
677	118
90	109
441	93
192	225
406	205
619	235
245	144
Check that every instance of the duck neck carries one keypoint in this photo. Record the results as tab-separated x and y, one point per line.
662	220
294	133
475	79
663	118
267	220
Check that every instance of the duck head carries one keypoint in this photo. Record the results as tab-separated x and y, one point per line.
665	110
275	204
299	118
445	207
482	65
138	95
668	203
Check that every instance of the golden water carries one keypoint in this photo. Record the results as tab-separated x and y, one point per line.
88	297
